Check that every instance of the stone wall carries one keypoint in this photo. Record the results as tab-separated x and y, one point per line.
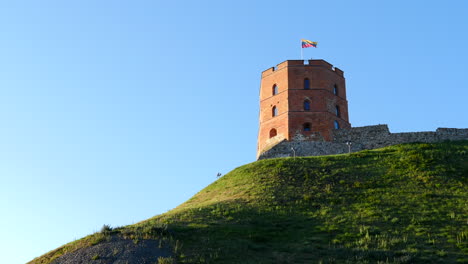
368	137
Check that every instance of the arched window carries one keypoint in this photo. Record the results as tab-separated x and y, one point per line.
335	89
306	105
306	84
272	133
274	111
337	111
336	124
275	89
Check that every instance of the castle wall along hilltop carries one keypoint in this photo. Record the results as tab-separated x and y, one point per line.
304	112
361	138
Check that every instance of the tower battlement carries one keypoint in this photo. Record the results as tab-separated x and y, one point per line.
311	63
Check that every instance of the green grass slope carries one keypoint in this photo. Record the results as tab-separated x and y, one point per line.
400	204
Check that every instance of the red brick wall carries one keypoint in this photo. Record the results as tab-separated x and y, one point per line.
267	101
289	76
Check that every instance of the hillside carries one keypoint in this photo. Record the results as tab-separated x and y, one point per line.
401	204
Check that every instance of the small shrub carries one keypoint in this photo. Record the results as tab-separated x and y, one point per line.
106	229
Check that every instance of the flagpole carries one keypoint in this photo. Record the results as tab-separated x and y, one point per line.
302	57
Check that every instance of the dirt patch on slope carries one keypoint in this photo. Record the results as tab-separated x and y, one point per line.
117	250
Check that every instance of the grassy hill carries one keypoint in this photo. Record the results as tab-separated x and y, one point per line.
400	204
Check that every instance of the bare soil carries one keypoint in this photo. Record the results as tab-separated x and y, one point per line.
117	250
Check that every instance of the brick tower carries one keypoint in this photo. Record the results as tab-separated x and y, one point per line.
301	100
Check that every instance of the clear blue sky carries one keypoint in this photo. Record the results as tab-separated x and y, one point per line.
115	111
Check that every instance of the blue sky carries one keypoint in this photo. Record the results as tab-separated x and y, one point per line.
115	111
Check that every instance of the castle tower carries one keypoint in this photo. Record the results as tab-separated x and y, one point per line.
301	100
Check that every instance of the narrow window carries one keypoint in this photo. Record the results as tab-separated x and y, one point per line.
273	133
306	84
306	105
275	89
306	127
335	89
337	125
274	111
337	111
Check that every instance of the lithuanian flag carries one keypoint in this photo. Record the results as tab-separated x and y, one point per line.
307	43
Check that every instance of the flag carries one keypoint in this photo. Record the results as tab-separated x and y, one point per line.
307	43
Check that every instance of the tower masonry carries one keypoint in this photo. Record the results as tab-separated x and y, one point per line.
301	101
